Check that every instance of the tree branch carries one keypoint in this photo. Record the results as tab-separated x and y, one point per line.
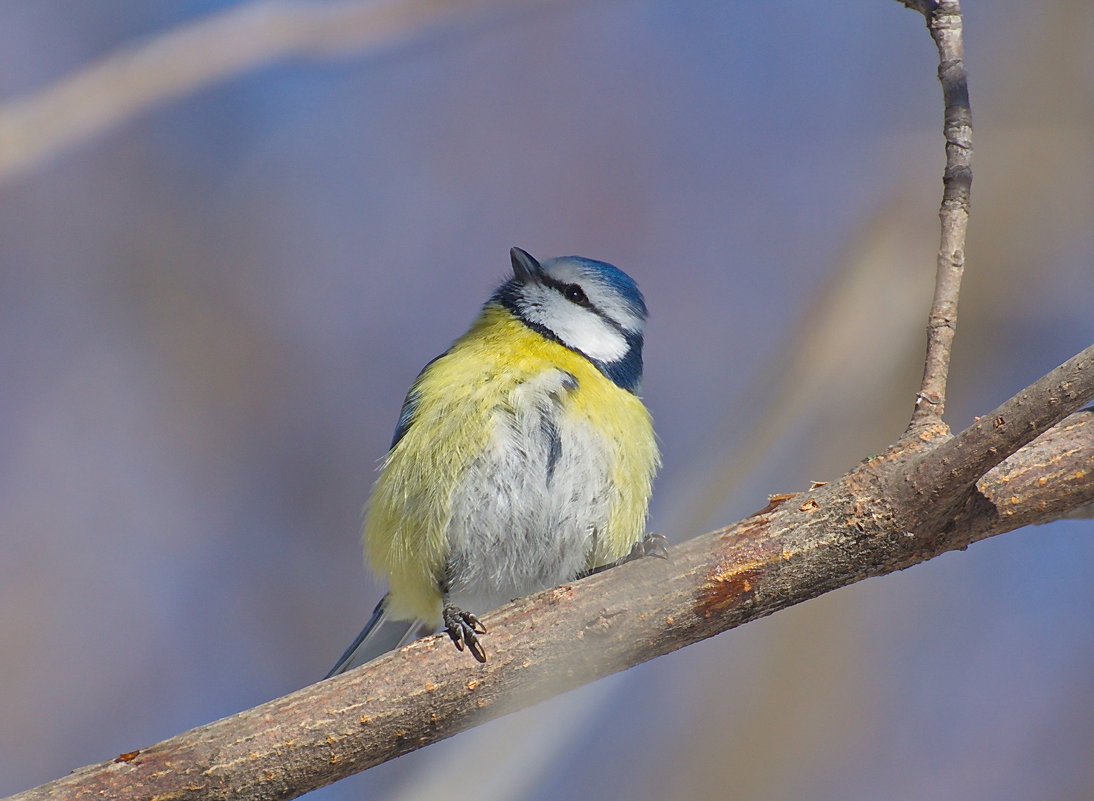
996	435
141	76
1029	488
944	22
797	548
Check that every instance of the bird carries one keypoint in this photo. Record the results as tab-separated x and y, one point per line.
523	458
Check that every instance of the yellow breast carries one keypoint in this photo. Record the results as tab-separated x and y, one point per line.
457	398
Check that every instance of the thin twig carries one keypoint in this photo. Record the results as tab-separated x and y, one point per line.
944	22
141	76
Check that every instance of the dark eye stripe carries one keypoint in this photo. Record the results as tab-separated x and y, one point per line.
564	289
572	292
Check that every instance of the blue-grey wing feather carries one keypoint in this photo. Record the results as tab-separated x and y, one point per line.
406	416
379	636
410	405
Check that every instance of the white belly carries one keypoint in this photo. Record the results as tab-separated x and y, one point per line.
526	514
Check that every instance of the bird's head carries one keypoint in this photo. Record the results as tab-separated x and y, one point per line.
589	306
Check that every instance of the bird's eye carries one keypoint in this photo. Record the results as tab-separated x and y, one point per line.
575	294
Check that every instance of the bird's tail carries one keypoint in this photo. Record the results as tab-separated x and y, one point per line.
380	635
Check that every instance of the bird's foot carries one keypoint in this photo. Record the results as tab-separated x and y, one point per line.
656	545
463	628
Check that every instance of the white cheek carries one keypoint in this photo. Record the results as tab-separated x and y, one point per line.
577	327
585	331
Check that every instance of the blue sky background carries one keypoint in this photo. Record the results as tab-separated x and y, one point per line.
209	316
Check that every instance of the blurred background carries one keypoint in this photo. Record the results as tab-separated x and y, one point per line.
209	315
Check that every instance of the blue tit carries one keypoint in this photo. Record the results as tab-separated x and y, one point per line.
523	457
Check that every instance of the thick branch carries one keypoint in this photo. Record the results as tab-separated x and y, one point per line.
1036	480
956	464
798	548
944	22
138	77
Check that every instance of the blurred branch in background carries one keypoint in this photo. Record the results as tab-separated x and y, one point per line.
871	287
862	329
142	76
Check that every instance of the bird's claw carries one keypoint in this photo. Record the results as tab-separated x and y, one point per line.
463	627
656	545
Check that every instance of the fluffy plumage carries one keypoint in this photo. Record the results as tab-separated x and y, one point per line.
522	458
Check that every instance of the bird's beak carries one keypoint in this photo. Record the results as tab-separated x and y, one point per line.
525	266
